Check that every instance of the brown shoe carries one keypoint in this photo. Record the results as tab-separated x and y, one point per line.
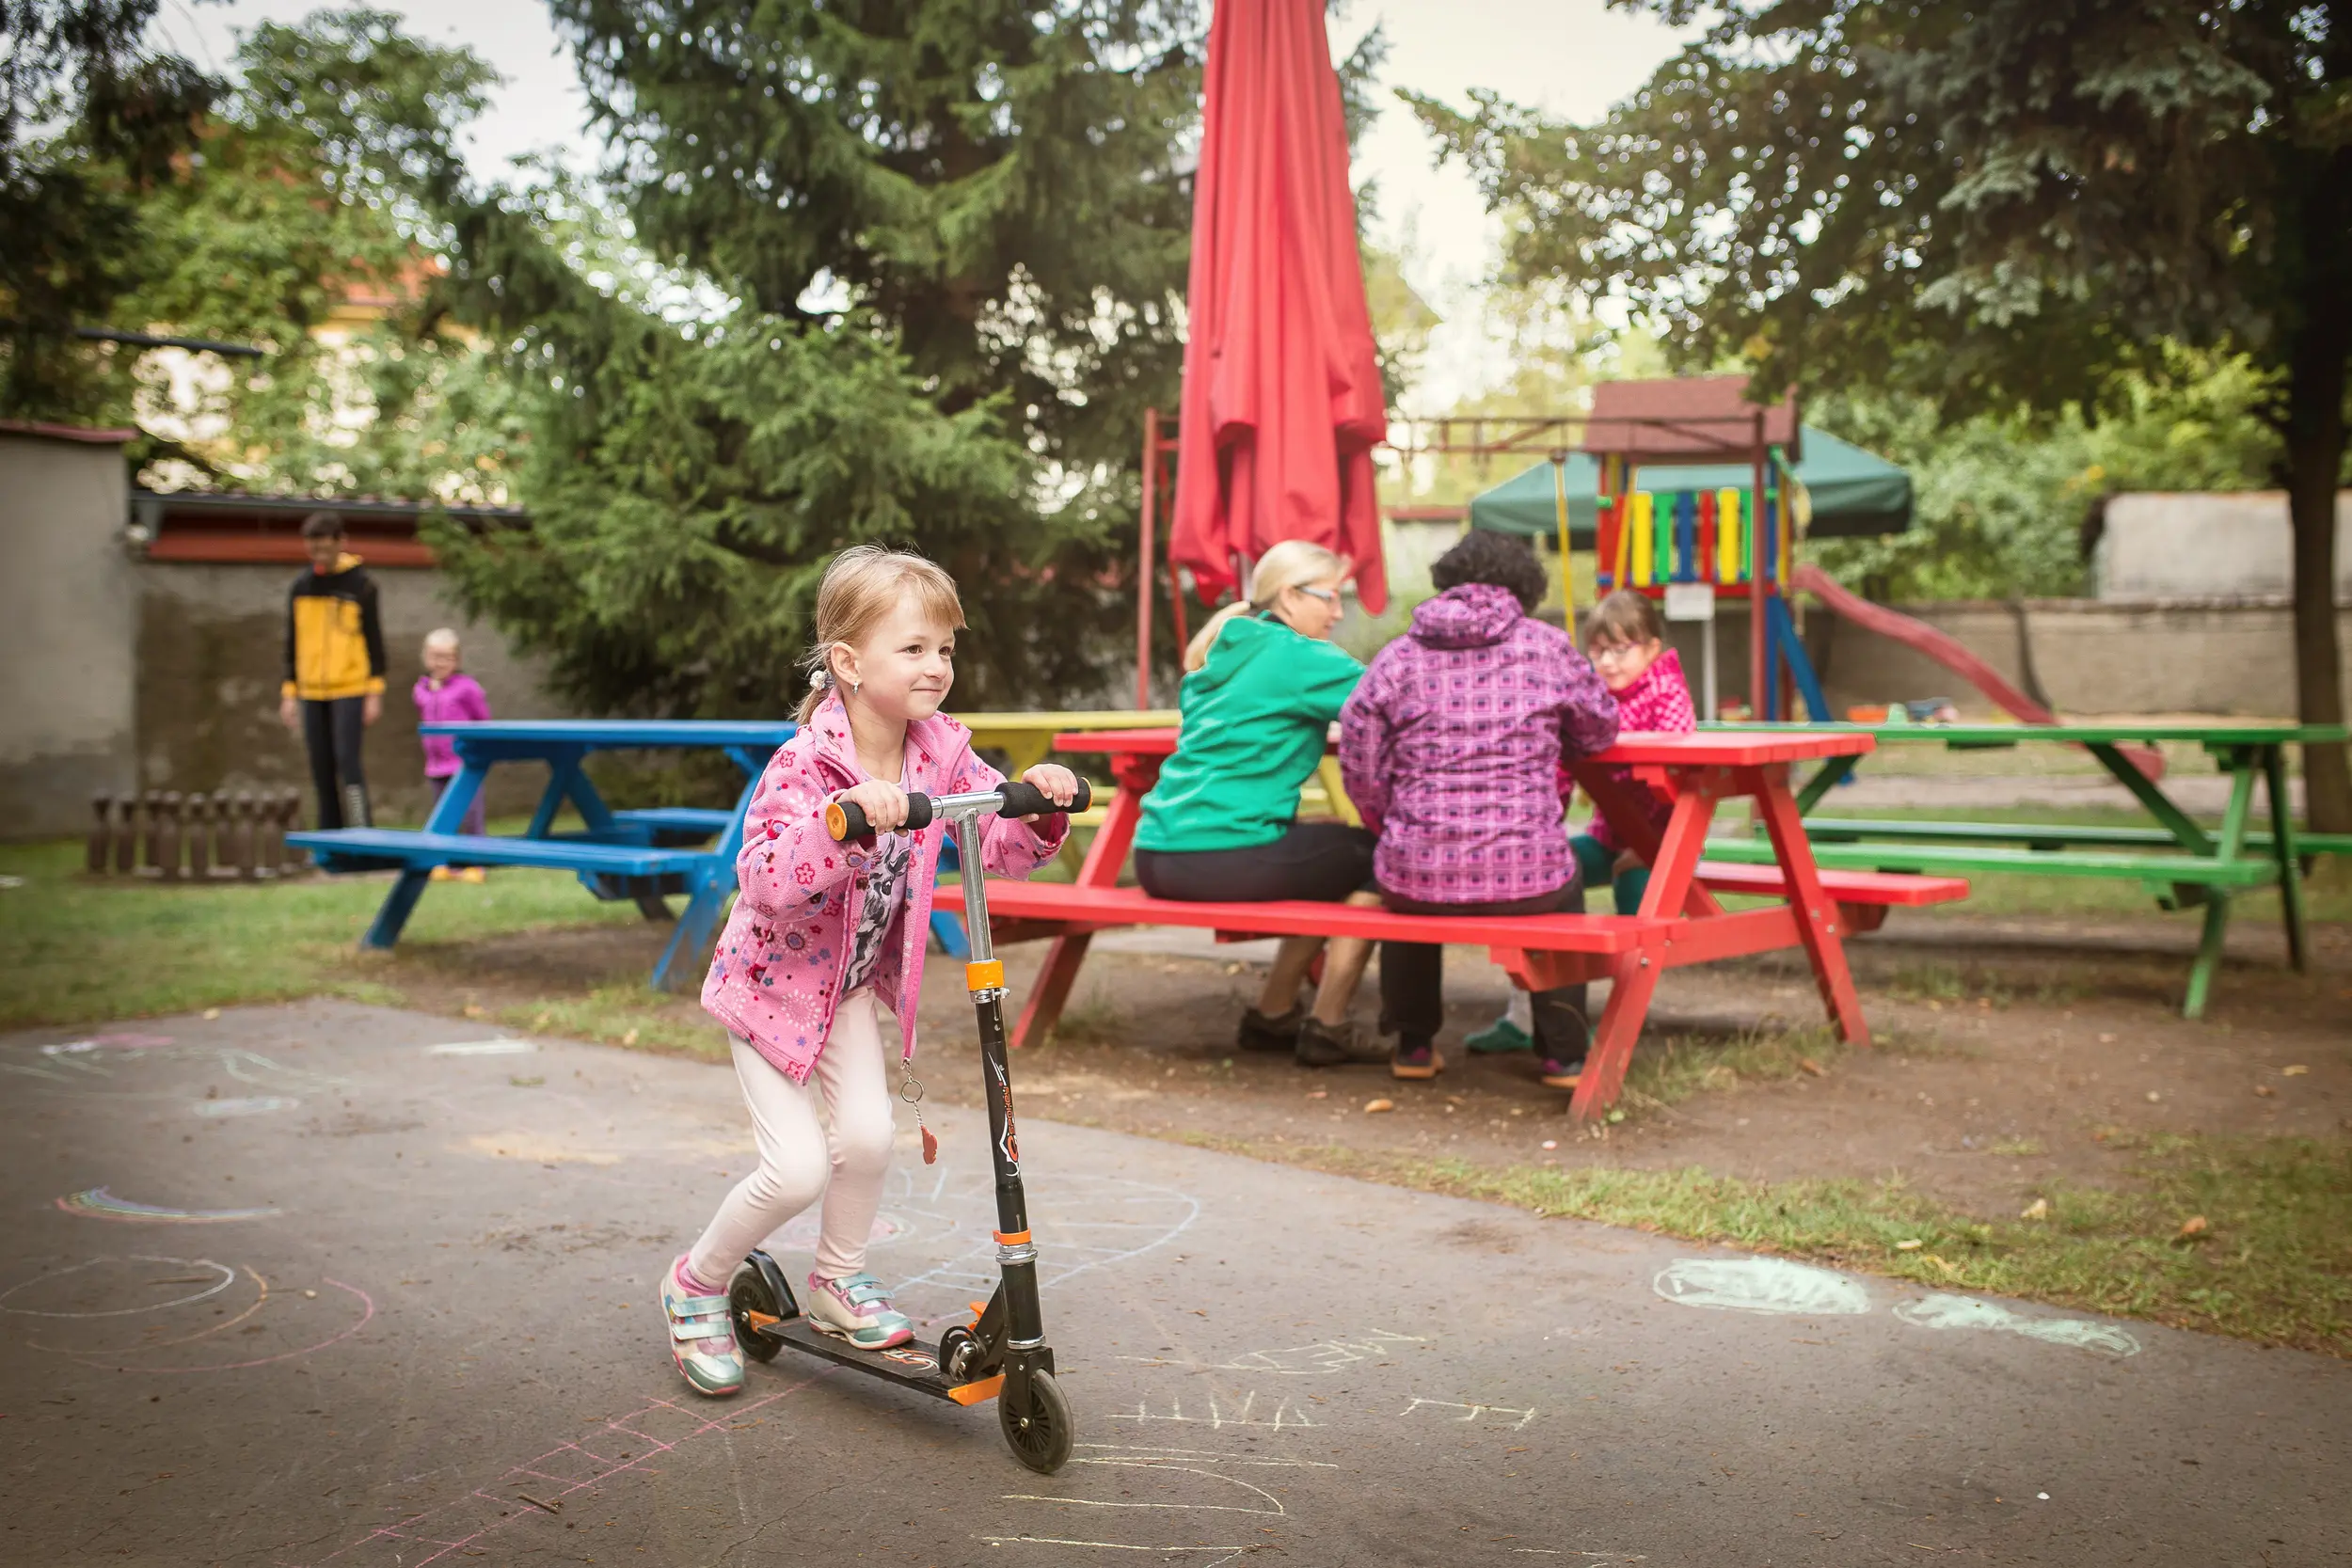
1322	1044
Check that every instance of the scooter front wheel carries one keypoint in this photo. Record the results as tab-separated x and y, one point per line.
1038	1425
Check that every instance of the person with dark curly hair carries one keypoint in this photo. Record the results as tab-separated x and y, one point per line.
1452	747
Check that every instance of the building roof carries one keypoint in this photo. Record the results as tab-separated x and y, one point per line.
228	526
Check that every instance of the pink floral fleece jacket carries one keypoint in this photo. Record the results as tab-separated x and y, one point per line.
775	976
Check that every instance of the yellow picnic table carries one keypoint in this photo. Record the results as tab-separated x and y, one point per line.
1026	738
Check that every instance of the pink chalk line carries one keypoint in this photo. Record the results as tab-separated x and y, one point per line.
529	1475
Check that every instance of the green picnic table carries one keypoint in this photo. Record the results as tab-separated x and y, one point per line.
2183	862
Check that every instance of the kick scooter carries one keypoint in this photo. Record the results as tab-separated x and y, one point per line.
1003	1354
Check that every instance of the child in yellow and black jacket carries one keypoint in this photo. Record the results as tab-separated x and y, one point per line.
334	686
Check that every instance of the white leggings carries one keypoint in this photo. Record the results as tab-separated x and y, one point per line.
798	1159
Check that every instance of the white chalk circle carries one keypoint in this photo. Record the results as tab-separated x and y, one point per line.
243	1106
1759	1285
1941	1311
799	1232
73	1290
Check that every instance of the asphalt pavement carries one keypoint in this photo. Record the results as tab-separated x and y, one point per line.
331	1285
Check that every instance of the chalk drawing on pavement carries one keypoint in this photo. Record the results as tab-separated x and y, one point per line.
483	1047
99	1204
800	1231
1217	1416
1262	1501
1760	1284
1315	1360
243	1105
352	1301
1081	1222
1946	1311
58	1287
1213	1456
1193	1480
639	1439
93	1069
1503	1414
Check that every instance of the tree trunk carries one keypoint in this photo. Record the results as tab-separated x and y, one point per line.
2314	459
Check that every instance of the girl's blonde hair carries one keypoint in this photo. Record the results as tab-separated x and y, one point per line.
864	584
441	637
1291	563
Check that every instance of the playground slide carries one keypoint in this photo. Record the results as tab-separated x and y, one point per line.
1923	638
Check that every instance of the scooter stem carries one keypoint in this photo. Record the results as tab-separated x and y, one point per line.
1016	1254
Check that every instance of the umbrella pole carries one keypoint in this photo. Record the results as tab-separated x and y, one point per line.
1144	565
1567	572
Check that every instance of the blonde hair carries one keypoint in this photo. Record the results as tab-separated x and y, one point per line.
441	637
864	584
1291	563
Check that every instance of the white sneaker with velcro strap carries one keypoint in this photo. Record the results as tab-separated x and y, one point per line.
702	1337
857	1307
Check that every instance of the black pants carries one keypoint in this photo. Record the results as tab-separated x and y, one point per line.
1412	980
331	732
1320	861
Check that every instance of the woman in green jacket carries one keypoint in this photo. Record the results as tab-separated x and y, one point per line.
1261	688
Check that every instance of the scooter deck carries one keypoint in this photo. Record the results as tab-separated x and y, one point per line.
914	1365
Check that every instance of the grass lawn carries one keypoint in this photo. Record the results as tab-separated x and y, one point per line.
81	950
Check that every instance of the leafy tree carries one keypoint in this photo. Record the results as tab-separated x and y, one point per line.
90	119
287	216
2002	501
2014	201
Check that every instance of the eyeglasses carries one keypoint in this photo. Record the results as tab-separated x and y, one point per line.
1327	596
1615	653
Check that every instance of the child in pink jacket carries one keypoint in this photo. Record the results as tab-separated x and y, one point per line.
825	936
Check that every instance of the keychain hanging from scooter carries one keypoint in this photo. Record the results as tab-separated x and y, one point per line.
911	1090
1001	1354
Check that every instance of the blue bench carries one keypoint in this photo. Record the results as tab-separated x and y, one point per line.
646	856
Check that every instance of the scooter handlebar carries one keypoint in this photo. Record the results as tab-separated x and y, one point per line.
845	819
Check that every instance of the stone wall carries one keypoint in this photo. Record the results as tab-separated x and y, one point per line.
2232	658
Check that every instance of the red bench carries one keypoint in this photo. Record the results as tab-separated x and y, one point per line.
1682	921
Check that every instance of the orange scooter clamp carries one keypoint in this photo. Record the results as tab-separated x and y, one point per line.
988	975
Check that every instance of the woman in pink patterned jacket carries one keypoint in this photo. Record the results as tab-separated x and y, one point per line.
1451	747
824	935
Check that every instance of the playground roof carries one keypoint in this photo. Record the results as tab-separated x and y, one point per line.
1855	494
1687	418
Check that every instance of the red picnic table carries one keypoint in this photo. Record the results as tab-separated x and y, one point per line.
1680	921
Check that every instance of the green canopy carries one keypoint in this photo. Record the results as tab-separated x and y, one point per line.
1853	493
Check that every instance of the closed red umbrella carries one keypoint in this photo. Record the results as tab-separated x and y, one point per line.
1281	400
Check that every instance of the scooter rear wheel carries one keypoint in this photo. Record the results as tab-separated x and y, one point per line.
748	1292
1037	1427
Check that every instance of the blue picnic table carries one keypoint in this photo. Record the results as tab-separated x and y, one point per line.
644	856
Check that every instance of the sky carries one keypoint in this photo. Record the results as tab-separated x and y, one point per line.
1572	58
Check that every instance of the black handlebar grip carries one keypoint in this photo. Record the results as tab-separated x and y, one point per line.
845	819
1022	798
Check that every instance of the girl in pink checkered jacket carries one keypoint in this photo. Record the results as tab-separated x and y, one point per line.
826	937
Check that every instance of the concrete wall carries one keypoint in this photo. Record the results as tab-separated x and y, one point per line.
2153	657
68	628
2207	546
211	656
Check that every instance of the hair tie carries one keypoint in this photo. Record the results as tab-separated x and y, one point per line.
821	677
